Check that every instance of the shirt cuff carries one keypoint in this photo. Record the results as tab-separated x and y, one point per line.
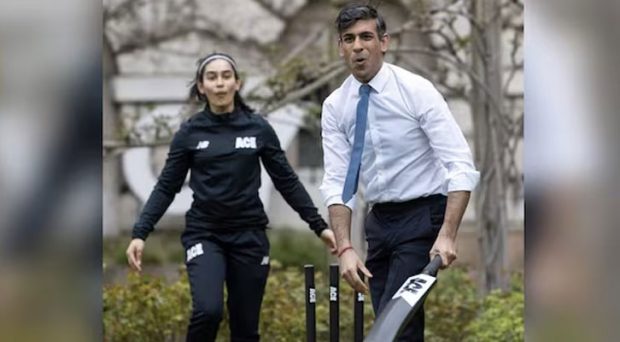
463	181
337	199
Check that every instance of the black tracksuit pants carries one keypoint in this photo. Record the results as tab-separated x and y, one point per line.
239	259
400	237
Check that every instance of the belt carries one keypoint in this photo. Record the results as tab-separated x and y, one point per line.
409	203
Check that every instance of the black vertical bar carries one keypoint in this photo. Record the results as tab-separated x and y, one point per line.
334	317
310	304
358	314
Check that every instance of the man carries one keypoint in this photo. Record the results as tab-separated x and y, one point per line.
393	130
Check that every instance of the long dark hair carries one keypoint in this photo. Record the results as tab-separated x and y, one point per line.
194	93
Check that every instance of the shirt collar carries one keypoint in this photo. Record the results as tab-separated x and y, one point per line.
378	82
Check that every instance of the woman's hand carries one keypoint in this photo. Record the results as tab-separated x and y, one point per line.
134	254
329	239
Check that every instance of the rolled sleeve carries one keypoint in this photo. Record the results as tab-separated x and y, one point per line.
448	142
337	199
463	180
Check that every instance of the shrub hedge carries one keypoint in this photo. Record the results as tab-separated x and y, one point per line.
147	309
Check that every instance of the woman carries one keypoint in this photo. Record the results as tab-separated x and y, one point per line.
224	238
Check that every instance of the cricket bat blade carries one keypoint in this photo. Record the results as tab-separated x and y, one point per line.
404	304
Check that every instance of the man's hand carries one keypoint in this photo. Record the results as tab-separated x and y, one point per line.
329	239
349	264
445	247
134	254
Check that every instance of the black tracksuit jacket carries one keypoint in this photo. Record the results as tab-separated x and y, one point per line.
222	152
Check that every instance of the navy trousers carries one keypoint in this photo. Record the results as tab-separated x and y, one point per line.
400	236
239	259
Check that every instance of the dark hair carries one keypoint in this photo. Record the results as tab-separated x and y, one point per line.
354	12
201	63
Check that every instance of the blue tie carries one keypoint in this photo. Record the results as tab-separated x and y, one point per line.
350	183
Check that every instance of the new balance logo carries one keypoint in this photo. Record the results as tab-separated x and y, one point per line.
194	251
202	144
265	260
245	142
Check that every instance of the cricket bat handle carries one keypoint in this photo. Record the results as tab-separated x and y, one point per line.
433	266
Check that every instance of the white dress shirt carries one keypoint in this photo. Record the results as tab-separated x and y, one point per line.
413	146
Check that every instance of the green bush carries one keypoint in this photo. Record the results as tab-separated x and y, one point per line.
147	309
501	317
450	306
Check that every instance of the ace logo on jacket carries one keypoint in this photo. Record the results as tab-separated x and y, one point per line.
245	142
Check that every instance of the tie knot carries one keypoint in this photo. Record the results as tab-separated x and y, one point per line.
364	89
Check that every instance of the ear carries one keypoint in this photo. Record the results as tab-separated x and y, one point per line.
238	85
385	42
340	48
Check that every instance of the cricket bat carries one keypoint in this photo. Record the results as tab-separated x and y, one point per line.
405	302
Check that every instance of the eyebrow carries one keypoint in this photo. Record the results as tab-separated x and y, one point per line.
363	33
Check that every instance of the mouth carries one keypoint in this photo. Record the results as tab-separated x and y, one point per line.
359	61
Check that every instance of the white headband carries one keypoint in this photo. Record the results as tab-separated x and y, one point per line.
209	59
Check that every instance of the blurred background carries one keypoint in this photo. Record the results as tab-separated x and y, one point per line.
50	170
90	94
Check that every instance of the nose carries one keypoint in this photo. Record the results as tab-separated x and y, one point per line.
357	45
219	82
